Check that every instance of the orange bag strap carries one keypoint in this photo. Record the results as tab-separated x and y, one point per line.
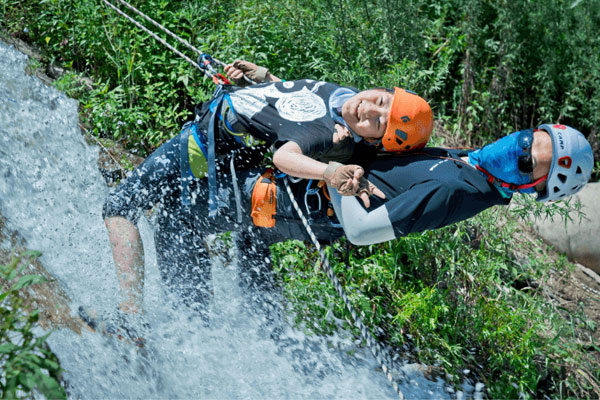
264	200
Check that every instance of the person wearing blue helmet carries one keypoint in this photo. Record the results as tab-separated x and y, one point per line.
436	187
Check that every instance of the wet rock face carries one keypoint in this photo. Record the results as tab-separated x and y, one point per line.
49	298
580	241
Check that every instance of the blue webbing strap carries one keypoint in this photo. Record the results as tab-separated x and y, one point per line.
213	205
184	165
200	139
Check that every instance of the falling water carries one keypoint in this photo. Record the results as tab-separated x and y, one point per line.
52	193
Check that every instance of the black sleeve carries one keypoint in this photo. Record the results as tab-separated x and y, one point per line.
434	204
424	206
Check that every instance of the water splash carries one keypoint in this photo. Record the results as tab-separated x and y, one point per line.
52	193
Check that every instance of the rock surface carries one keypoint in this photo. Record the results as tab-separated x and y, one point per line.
49	298
579	241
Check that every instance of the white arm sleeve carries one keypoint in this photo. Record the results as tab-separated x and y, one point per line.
362	227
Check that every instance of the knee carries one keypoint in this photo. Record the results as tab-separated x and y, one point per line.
118	204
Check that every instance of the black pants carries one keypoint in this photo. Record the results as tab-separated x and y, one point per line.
181	230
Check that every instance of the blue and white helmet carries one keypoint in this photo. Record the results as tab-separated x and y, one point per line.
572	162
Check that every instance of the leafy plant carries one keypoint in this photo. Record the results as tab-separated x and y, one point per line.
465	297
28	364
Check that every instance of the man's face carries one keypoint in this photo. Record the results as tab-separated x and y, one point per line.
541	153
367	112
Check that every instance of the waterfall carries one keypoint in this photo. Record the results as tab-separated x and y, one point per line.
52	193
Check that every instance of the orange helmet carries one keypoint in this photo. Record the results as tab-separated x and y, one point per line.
410	123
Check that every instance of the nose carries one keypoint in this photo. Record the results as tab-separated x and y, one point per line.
368	110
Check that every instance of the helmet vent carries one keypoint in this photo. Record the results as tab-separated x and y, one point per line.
556	189
562	177
578	170
574	188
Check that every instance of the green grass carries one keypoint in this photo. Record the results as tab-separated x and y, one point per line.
458	296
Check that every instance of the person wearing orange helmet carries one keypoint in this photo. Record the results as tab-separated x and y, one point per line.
427	189
326	119
314	127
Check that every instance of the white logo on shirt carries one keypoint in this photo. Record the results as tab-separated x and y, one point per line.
300	106
436	164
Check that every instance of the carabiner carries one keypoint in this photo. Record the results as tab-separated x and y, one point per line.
311	192
206	62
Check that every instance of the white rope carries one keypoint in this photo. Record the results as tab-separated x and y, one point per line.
380	355
149	32
168	32
165	30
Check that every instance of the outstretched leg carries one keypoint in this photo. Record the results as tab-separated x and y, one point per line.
257	280
183	260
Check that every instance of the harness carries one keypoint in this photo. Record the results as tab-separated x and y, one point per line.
222	114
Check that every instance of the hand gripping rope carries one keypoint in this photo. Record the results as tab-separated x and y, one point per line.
205	64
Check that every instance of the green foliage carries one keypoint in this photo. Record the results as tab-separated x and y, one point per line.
487	67
463	296
28	364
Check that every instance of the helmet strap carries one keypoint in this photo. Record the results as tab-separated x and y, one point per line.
510	186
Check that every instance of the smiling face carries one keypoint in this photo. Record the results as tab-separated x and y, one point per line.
367	113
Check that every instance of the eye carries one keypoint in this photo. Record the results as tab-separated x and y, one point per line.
380	101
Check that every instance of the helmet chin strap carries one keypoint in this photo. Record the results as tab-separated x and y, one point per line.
510	186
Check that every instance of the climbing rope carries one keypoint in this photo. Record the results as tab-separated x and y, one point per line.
158	38
380	355
378	352
206	60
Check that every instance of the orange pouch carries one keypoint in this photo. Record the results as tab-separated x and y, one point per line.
264	200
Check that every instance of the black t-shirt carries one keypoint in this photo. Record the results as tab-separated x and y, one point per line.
429	189
297	111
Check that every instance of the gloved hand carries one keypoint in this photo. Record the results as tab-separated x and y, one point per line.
128	327
349	180
239	68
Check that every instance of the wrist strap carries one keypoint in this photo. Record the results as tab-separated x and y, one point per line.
261	74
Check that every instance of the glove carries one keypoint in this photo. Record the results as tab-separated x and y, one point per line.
348	180
252	71
128	327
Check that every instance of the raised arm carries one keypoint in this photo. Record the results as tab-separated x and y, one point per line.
239	68
348	180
